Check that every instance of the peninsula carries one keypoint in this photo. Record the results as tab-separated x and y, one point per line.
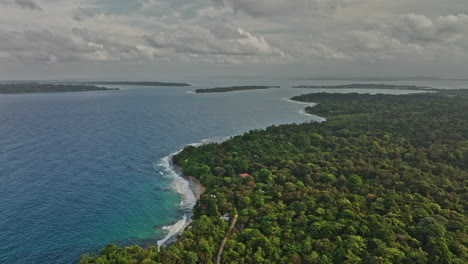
379	79
383	180
233	89
368	86
21	88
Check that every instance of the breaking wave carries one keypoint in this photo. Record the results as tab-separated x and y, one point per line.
302	111
181	185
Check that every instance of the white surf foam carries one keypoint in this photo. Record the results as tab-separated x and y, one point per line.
302	110
297	102
179	183
173	230
187	198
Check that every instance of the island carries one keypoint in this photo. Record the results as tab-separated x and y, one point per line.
368	86
21	88
234	88
140	83
379	79
383	180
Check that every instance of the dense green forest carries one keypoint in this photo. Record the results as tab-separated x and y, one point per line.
383	180
233	89
15	88
367	86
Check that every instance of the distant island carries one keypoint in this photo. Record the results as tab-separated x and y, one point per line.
368	86
21	88
141	83
233	89
379	79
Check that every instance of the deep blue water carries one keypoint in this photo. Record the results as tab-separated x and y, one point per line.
82	170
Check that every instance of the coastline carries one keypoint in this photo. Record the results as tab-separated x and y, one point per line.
210	229
195	186
196	189
303	111
188	187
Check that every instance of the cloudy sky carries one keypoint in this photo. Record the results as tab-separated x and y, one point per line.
154	39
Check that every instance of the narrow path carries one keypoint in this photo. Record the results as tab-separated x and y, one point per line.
226	237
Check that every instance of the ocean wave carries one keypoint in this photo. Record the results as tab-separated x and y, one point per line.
165	167
173	230
181	185
297	102
302	111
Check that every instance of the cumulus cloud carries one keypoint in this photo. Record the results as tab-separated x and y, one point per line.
308	50
280	7
375	45
420	28
263	7
320	50
79	45
81	14
220	40
26	4
31	4
308	32
228	45
149	3
417	33
413	36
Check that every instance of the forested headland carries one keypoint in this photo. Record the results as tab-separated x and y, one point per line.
233	89
368	86
383	180
18	88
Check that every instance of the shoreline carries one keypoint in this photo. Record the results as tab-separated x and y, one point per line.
303	111
188	187
177	227
194	186
286	143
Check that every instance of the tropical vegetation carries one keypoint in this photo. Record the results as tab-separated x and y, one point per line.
383	180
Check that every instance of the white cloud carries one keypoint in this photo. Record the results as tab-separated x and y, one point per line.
149	3
31	4
311	32
322	51
375	45
420	28
26	4
257	45
79	45
307	50
281	7
411	36
82	14
217	40
264	7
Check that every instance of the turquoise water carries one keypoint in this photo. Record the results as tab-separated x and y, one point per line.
81	170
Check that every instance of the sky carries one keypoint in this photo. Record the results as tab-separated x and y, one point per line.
175	39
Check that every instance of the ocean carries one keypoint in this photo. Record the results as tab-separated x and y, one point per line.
82	170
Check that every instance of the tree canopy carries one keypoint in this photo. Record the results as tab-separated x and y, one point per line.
383	180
